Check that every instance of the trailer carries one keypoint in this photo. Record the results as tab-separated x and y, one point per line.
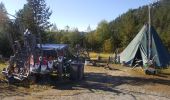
31	60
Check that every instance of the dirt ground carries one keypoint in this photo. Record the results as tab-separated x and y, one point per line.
120	83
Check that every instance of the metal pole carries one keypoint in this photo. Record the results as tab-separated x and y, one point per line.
150	34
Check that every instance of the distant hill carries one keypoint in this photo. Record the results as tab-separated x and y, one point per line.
128	24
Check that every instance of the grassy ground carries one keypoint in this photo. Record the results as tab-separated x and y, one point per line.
102	55
165	71
120	83
94	55
2	65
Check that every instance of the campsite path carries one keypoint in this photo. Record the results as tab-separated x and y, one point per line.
120	83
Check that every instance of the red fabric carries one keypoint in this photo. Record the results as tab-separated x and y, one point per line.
44	60
38	61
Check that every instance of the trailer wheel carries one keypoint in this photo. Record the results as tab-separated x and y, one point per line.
80	72
59	71
11	80
32	79
76	71
73	72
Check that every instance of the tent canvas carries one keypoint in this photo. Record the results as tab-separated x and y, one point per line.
139	49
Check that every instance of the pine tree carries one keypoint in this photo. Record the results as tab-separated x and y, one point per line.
35	16
3	17
4	41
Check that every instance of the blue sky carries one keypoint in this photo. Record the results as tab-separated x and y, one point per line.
81	13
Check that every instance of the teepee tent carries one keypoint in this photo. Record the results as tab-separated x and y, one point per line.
139	49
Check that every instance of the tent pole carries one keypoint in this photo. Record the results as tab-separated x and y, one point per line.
149	33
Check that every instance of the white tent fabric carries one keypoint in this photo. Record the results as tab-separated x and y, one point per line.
138	48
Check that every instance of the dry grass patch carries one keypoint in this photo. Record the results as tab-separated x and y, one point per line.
2	65
103	55
165	71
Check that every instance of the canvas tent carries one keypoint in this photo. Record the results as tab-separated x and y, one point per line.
139	49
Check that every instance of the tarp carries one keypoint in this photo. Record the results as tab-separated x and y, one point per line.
53	46
140	43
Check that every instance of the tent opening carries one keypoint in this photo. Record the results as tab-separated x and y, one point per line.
137	59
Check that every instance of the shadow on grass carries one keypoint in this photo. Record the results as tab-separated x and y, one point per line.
162	75
100	81
91	82
10	90
104	82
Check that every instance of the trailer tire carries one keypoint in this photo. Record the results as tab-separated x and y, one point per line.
59	71
76	71
80	72
32	79
11	80
73	72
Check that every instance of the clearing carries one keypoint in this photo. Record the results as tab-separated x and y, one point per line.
120	83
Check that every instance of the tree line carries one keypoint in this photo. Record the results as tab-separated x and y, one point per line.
108	36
